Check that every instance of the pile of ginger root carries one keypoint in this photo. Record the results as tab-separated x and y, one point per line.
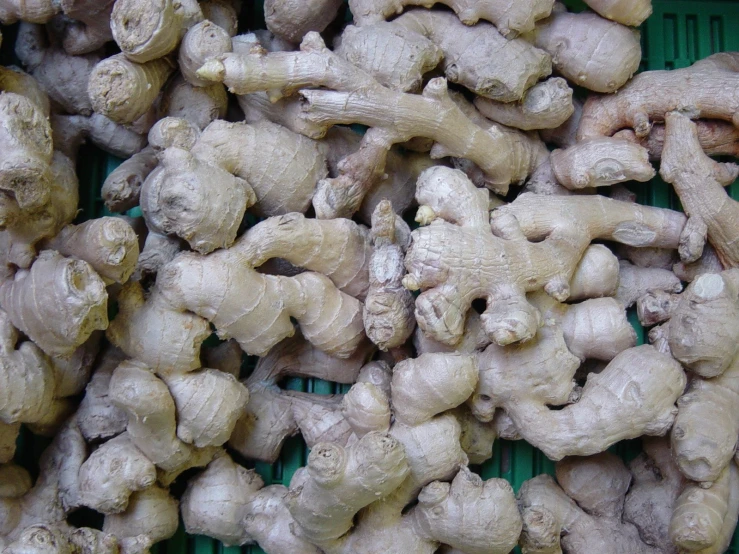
465	269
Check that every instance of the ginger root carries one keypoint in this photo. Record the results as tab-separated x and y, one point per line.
459	217
649	96
511	18
699	182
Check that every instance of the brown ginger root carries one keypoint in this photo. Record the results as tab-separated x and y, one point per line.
57	303
700	514
546	105
449	195
634	282
55	492
282	167
174	202
273	414
8	435
601	162
511	18
652	94
70	131
587	503
699	182
563	432
388	308
603	57
468	54
200	105
201	42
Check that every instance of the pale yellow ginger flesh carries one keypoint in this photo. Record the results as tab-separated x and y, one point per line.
601	162
652	94
603	57
477	57
699	182
546	105
510	17
509	264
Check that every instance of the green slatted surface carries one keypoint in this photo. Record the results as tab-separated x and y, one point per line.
677	34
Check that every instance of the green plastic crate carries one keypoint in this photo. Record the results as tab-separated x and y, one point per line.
678	33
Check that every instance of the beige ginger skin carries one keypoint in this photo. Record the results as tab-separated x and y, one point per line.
546	105
388	307
432	115
85	28
603	57
636	105
587	501
245	296
476	57
601	162
292	19
511	18
459	215
626	12
57	303
699	182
